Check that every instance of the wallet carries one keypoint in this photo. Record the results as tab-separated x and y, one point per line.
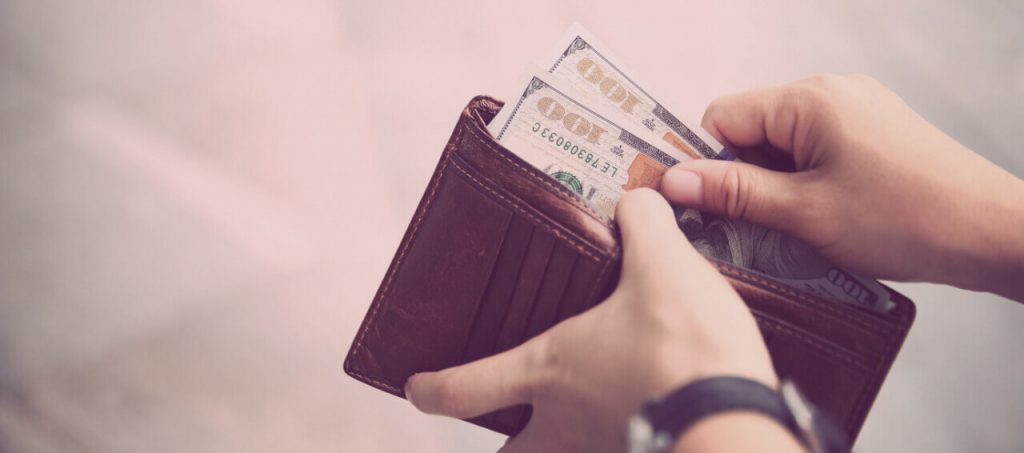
498	252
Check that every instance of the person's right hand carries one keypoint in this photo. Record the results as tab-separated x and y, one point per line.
876	188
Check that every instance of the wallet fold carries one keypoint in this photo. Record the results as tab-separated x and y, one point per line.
497	252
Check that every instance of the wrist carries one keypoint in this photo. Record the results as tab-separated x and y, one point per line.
751	362
730	346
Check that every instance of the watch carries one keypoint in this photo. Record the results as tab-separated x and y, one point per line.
662	421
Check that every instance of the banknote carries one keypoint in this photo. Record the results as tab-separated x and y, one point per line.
599	78
579	145
779	258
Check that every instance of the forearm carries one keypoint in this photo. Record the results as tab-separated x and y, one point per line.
737	432
989	252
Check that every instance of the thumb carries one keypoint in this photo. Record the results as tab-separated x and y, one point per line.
653	247
736	190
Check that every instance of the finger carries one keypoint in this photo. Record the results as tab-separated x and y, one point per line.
737	190
478	387
782	117
642	211
650	235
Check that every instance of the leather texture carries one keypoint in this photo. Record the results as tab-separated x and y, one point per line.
498	252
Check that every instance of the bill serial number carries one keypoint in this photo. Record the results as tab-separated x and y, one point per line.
573	149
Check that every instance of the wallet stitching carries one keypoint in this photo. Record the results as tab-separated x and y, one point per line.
546	181
788	291
780	288
373	381
888	357
420	214
538	221
817	344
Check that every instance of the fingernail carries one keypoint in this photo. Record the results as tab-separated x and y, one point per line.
682	186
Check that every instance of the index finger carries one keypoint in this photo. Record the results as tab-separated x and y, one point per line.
782	117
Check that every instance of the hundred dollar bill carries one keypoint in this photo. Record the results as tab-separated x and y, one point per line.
779	258
579	146
587	65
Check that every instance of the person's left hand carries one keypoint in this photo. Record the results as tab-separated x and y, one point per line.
672	318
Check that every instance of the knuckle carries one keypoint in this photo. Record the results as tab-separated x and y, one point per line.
450	398
734	192
545	359
714	108
542	355
809	94
863	78
816	210
811	99
824	80
796	95
820	88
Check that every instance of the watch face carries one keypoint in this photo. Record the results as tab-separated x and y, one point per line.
640	434
802	412
643	438
798	406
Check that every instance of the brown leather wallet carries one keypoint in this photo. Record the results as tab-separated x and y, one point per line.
497	252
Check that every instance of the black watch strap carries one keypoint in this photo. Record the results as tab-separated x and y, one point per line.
667	418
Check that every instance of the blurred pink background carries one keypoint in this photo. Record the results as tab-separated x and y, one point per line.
198	199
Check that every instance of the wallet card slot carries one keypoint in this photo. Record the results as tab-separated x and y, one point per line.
556	283
581	289
495	303
535	266
552	291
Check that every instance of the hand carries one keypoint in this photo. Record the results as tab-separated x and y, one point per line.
877	189
671	319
